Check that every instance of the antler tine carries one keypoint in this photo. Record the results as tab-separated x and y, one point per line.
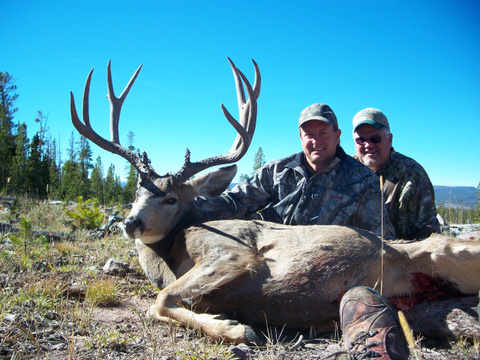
258	80
86	130
116	103
245	127
238	82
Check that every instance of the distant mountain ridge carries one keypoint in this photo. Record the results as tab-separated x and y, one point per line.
448	195
455	194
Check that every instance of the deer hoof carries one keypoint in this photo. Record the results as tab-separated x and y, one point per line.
251	336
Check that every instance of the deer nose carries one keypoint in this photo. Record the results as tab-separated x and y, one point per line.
132	224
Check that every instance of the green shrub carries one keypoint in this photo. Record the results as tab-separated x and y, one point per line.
31	248
85	216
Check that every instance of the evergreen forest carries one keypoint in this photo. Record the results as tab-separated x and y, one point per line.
34	167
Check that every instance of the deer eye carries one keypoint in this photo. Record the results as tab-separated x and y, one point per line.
170	201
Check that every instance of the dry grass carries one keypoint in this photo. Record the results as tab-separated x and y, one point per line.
49	217
57	303
101	292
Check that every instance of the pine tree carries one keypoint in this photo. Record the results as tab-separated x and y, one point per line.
18	185
7	127
71	174
71	180
85	163
53	185
34	173
41	146
113	188
118	191
131	186
97	182
258	162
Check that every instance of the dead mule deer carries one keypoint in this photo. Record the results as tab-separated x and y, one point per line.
287	275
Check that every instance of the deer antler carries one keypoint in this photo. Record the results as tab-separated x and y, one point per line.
85	128
245	128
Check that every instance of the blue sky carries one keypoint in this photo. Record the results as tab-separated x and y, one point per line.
418	61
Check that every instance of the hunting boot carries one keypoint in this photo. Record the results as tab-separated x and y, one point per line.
370	326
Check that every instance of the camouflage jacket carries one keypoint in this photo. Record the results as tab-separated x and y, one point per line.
346	193
409	197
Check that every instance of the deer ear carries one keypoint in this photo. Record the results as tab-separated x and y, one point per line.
214	182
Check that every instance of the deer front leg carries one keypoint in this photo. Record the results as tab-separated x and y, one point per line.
202	279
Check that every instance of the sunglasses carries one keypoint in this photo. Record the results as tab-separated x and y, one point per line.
374	139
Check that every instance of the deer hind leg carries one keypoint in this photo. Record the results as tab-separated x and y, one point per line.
451	259
202	279
459	261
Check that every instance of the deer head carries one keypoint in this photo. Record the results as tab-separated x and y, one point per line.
164	201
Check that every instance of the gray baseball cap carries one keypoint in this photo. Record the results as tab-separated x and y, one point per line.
321	112
372	117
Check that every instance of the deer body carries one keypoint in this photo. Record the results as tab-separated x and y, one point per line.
288	275
258	271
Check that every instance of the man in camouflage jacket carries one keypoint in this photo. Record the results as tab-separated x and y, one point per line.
408	192
321	185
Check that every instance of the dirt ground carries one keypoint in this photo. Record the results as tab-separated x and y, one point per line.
122	331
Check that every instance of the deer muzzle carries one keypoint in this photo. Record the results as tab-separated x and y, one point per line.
133	227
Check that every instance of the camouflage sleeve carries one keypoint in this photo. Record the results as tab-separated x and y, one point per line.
417	215
242	201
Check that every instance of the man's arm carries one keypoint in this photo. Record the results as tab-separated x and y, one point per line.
417	209
241	202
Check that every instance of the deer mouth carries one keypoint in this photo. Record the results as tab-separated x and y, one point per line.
133	227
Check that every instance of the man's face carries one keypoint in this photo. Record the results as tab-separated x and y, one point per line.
370	152
319	143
